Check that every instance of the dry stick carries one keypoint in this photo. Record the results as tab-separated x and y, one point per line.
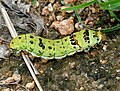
14	34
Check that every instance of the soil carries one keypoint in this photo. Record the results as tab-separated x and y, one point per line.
97	70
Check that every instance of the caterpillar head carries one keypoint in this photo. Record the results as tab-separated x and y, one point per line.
14	45
18	43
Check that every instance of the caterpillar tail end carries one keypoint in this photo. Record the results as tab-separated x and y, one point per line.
103	36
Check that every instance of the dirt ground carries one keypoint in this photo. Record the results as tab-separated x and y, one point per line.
97	70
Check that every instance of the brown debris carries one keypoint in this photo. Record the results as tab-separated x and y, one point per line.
51	1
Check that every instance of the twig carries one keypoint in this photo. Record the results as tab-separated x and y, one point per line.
14	34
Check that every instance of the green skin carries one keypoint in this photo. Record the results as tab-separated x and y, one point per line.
58	48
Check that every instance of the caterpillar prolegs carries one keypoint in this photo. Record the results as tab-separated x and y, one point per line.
58	48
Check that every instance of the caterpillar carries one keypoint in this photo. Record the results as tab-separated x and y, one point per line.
58	48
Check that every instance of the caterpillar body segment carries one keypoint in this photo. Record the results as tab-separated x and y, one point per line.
58	48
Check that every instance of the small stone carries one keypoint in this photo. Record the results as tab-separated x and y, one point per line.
65	27
99	28
93	53
63	14
9	80
16	77
104	47
45	11
114	39
93	10
72	65
112	20
51	18
90	23
100	86
30	85
118	78
95	83
44	60
50	7
117	70
51	1
47	24
77	26
65	74
41	71
60	18
86	21
81	88
103	61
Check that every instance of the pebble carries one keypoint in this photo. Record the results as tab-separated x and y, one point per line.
63	14
99	28
65	27
77	26
81	88
50	7
51	18
44	60
41	71
100	86
30	85
45	11
117	70
93	53
112	20
103	61
118	78
65	74
59	18
16	77
104	47
51	1
93	10
72	65
91	23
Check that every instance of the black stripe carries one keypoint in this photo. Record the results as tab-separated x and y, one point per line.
41	44
72	41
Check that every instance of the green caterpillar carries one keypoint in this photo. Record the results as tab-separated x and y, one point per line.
58	48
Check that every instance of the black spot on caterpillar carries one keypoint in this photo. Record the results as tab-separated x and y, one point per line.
58	48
